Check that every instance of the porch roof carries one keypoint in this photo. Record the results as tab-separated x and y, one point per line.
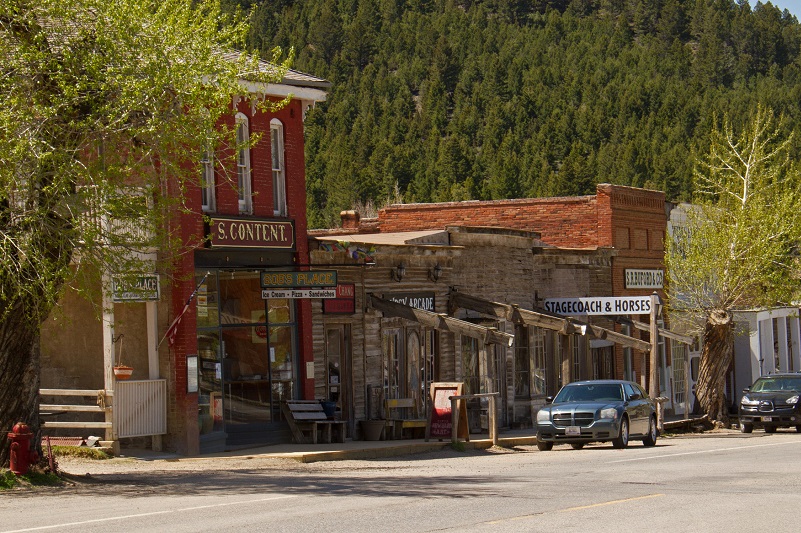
440	322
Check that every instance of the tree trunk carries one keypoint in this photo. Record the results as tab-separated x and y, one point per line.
19	379
716	357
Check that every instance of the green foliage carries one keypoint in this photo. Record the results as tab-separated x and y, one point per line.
7	479
485	99
80	451
34	478
739	245
106	108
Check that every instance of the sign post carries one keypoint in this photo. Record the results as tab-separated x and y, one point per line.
653	383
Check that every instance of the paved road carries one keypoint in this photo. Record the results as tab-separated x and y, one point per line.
712	483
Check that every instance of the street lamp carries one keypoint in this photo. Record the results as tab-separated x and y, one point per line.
398	272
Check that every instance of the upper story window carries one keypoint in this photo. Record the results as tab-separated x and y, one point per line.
207	182
243	164
279	171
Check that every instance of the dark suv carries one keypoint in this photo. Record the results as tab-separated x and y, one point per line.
772	402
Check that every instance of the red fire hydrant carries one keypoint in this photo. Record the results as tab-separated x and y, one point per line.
22	455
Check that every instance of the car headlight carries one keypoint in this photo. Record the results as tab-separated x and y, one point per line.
608	412
792	399
543	415
748	401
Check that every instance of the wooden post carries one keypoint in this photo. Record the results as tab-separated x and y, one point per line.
653	385
493	422
454	420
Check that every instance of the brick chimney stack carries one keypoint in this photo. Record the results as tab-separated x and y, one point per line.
350	219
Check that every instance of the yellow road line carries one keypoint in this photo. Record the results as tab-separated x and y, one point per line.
579	508
613	502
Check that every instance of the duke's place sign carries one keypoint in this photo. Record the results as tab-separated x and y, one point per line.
599	305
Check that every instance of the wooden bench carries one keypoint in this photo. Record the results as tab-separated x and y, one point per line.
396	421
307	417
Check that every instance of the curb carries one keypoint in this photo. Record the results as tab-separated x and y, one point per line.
403	449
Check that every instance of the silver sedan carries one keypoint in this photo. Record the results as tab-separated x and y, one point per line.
597	411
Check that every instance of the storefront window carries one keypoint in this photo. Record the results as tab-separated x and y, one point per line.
248	351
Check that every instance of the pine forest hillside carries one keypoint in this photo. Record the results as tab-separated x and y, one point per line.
446	100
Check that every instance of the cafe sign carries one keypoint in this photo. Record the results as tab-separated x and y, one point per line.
251	233
272	279
644	279
140	288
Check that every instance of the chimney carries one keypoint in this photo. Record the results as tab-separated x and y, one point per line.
350	219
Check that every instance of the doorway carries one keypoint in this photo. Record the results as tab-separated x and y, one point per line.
248	350
338	380
409	366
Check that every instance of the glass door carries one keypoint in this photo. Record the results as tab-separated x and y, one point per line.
244	346
248	353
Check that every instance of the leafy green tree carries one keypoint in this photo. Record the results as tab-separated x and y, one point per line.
107	108
739	246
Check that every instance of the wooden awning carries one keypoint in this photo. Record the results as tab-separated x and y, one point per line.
544	319
642	326
441	322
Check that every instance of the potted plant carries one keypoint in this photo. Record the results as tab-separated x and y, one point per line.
121	371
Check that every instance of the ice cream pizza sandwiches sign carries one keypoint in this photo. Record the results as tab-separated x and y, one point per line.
599	305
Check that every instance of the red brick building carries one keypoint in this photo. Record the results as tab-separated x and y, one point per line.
217	380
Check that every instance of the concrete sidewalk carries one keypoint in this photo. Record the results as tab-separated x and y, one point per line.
360	449
350	449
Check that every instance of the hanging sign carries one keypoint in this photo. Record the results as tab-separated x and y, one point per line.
440	419
142	288
599	305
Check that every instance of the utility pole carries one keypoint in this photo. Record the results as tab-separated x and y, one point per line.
653	385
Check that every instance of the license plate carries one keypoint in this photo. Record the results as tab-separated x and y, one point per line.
767	419
572	430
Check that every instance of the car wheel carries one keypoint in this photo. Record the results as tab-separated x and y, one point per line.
622	440
650	439
544	446
798	429
770	429
577	445
746	428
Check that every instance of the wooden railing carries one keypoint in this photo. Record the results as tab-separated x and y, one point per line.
104	405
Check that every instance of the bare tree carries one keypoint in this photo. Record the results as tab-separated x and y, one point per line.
738	247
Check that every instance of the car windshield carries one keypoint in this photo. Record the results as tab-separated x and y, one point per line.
590	393
777	384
